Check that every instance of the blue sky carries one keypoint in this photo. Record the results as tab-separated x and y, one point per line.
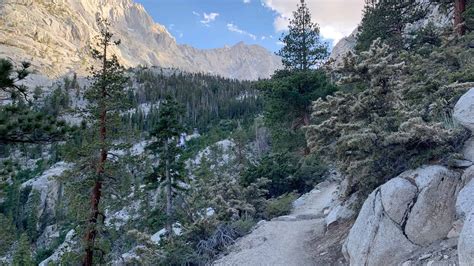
215	23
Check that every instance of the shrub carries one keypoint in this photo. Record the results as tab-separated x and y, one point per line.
399	121
280	206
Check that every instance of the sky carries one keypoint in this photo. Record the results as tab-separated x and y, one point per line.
207	24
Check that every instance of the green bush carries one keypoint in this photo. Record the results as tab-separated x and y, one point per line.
287	172
401	120
280	206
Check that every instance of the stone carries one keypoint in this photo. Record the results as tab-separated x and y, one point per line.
408	213
434	211
397	195
342	210
375	239
465	200
456	229
464	110
466	242
468	175
468	149
462	163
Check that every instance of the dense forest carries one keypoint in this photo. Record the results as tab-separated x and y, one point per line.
170	167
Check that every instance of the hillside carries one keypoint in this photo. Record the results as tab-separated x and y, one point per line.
56	36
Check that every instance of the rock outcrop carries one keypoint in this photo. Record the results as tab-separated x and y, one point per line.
56	35
49	189
466	243
408	212
464	110
345	46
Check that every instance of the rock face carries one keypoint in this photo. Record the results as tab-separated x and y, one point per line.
466	240
342	48
464	110
409	212
433	213
50	189
465	200
56	35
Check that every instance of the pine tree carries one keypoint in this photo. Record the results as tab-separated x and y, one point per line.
385	19
19	123
22	255
166	145
105	97
303	48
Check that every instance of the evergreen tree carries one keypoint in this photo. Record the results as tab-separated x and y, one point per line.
303	48
105	97
19	123
166	144
385	19
22	256
287	106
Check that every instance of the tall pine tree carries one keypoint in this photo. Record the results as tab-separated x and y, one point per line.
303	48
106	99
166	144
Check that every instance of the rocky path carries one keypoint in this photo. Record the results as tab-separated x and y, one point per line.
285	240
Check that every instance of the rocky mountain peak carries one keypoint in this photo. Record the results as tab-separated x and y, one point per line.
55	36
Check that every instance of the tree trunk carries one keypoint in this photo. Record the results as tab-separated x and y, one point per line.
459	8
169	195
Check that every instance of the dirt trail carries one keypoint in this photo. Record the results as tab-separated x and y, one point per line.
287	239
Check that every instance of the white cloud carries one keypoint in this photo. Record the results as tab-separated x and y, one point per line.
208	18
246	1
234	28
196	14
337	18
281	23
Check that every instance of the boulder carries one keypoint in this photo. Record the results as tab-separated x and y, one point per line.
465	200
464	110
468	149
411	211
397	196
466	242
342	210
433	213
375	239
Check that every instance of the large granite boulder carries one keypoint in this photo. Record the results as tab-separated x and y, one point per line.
434	211
466	242
464	110
409	212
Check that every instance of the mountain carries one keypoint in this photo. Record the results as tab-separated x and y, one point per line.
55	37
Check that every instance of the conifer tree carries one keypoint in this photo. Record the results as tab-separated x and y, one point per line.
385	19
22	256
18	122
105	97
303	48
166	145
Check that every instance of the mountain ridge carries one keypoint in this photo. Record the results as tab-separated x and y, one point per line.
55	37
